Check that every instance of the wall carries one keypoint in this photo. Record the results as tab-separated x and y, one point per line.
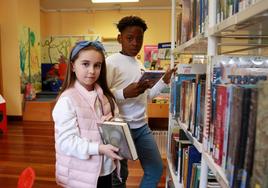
10	56
13	15
103	23
27	13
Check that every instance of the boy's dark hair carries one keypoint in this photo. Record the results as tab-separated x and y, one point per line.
131	21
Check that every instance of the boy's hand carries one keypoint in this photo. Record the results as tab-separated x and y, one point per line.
168	74
109	151
136	88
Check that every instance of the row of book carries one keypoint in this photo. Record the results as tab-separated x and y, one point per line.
226	8
192	20
237	102
186	160
188	98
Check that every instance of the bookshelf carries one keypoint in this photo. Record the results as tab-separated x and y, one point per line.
243	32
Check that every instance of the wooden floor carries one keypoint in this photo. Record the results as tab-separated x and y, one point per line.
32	144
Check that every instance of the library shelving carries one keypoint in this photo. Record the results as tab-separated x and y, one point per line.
241	30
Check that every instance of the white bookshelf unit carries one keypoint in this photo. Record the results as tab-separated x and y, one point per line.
243	32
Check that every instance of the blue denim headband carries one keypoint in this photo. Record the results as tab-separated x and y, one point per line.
82	44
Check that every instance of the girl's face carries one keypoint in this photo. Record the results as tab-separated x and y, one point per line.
87	68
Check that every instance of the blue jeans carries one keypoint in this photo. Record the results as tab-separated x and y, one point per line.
149	157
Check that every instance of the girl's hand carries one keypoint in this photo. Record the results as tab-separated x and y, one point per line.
109	151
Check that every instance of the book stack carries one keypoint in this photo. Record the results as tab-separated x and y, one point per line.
118	134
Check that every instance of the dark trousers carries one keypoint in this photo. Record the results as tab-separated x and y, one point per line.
105	181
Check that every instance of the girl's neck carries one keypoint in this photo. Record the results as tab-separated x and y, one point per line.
87	87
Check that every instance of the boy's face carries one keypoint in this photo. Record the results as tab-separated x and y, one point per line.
131	40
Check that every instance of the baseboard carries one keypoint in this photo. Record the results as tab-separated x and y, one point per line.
14	118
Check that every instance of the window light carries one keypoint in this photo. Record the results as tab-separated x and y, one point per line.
114	1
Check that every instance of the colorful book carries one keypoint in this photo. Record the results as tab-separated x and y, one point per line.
221	108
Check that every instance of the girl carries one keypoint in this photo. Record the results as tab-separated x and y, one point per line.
85	99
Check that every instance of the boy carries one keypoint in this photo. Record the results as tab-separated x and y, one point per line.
123	73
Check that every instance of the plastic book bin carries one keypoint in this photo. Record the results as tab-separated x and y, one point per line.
3	115
26	178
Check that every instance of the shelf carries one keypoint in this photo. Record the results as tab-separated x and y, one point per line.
174	177
250	21
192	139
217	170
238	48
196	45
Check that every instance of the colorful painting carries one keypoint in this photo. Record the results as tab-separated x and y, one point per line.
150	56
55	53
30	69
56	49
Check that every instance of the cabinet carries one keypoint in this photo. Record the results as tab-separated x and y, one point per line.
158	122
242	33
156	110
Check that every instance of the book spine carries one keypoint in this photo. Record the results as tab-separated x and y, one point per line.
260	168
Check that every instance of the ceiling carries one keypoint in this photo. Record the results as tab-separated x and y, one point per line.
86	4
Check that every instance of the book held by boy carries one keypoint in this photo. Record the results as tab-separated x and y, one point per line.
152	75
117	133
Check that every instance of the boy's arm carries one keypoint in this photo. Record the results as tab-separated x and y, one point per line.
162	83
132	90
111	75
156	89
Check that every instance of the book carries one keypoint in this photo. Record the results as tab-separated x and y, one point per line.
152	75
240	158
221	108
197	176
150	56
260	167
185	166
249	154
182	145
234	135
193	157
118	134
